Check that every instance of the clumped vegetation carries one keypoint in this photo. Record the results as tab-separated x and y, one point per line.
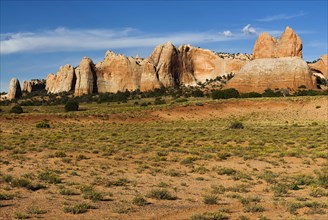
16	109
72	106
123	159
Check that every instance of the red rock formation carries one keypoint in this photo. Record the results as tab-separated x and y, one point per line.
321	66
63	81
288	45
272	73
85	78
14	90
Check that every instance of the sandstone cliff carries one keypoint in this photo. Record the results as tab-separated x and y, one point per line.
85	78
63	81
288	45
14	90
321	66
272	73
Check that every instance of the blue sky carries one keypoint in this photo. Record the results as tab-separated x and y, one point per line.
37	37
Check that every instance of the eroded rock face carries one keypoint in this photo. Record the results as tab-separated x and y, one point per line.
272	73
33	85
85	78
198	65
14	90
288	45
321	66
63	81
118	73
165	59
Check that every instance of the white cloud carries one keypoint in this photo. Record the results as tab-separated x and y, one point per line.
249	30
280	17
227	33
63	39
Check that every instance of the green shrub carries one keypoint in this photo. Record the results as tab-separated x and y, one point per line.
43	124
236	125
78	208
90	193
72	106
16	109
159	101
49	177
210	199
197	93
271	93
250	95
161	194
139	201
225	94
210	216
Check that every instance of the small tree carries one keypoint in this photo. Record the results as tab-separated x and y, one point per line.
72	106
16	109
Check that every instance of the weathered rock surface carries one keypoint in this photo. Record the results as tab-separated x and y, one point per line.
198	65
288	45
118	73
14	90
272	73
86	79
165	59
63	81
321	66
33	85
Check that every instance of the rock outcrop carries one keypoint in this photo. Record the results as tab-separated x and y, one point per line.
118	73
199	65
86	79
63	81
321	66
272	73
288	45
14	90
33	85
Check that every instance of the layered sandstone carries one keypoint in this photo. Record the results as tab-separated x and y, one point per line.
118	73
288	45
14	90
85	78
321	66
272	73
63	81
199	65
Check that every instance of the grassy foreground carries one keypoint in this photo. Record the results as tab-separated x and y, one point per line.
178	161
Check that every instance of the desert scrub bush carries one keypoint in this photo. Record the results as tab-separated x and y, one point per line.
322	177
236	125
161	194
78	208
225	94
118	182
188	160
49	177
254	208
36	210
71	106
159	101
16	109
4	196
21	215
68	192
225	171
60	154
210	199
90	193
22	182
210	216
43	124
139	201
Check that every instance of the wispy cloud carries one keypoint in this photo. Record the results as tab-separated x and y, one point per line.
63	39
249	30
227	33
280	17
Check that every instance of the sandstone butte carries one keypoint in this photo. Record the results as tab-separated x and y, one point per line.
14	89
167	66
275	64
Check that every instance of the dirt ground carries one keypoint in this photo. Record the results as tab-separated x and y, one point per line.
169	162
